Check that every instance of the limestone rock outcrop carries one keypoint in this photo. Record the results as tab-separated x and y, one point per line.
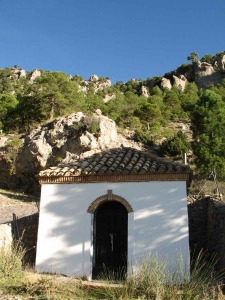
17	72
220	62
144	91
180	82
95	82
205	69
67	138
109	97
3	140
206	75
166	84
36	73
93	78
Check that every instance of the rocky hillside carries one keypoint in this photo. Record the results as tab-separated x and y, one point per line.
205	72
67	138
210	70
46	117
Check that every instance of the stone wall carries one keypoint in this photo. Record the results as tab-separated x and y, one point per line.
28	227
22	230
207	229
198	222
216	232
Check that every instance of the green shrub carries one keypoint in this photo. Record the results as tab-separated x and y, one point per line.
13	147
175	146
93	127
144	137
89	124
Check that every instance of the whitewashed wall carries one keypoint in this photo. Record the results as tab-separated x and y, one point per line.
5	235
159	224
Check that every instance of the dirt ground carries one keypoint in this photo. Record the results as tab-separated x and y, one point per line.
19	204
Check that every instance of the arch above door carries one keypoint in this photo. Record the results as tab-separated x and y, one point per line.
109	197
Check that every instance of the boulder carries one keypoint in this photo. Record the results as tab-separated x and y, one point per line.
36	73
94	81
93	78
39	150
87	142
22	73
100	85
204	69
109	97
144	91
17	72
108	133
220	60
83	87
165	83
3	141
180	82
206	75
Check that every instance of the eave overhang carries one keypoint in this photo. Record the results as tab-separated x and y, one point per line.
115	178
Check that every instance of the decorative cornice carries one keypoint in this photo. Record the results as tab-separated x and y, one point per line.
115	178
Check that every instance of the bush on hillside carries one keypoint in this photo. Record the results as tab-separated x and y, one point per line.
143	137
175	146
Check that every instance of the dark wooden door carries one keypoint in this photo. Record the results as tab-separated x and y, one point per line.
110	240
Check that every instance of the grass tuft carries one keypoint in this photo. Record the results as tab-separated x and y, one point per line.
11	269
154	280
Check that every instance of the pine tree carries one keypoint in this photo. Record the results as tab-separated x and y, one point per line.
209	133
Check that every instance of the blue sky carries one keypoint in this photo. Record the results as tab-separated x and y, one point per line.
121	39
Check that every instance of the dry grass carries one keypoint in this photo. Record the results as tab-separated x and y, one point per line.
205	187
10	197
11	270
56	287
153	280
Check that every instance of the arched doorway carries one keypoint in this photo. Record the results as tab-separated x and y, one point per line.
110	240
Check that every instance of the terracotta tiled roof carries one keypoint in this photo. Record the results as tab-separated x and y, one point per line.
114	162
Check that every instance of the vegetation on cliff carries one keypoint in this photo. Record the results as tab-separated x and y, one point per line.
27	101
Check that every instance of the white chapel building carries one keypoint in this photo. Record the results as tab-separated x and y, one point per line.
110	210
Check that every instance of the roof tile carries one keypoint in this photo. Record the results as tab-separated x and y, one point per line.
116	161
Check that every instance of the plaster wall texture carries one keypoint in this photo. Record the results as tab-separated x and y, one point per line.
157	225
5	235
